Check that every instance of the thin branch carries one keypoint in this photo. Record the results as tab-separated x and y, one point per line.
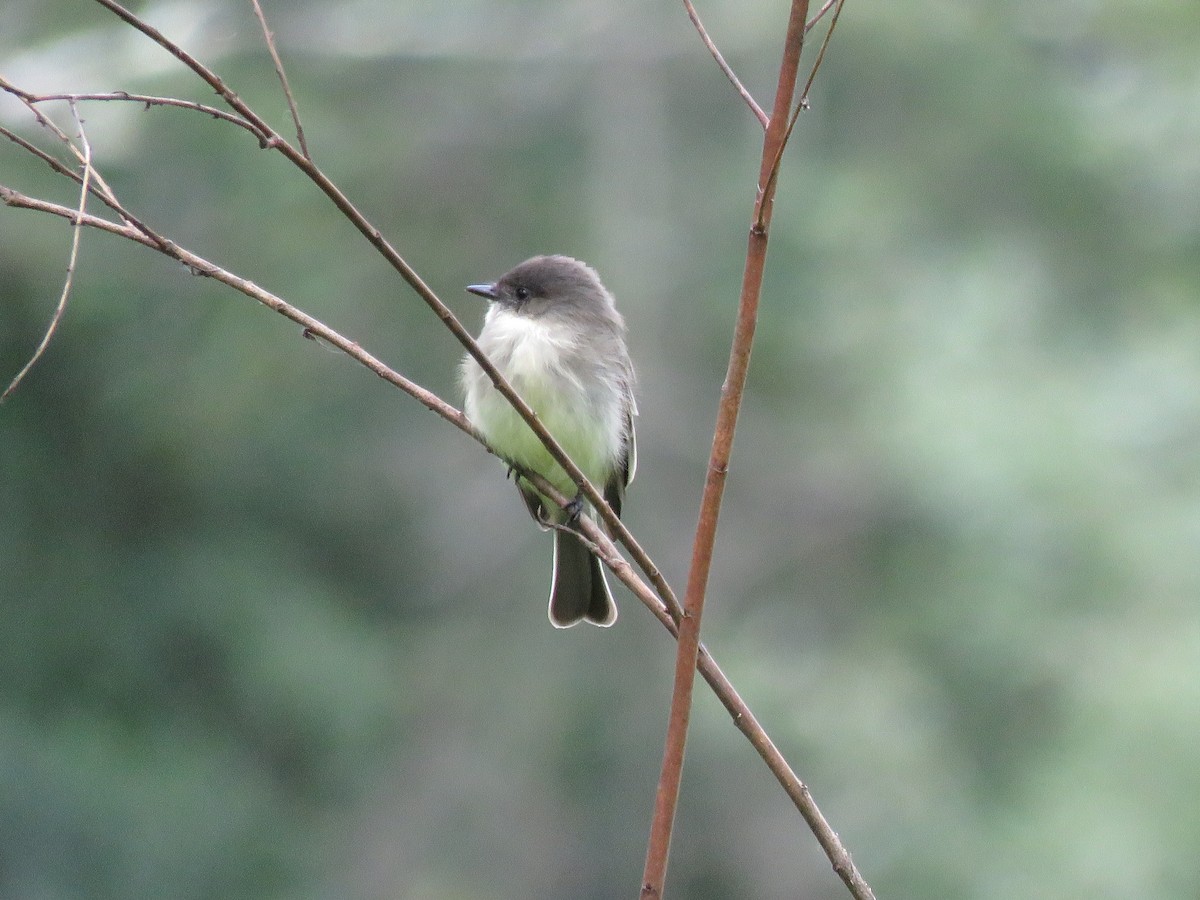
76	232
41	154
820	15
198	265
100	188
148	101
283	79
725	67
812	76
742	90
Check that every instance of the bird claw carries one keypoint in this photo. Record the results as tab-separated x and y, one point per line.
573	509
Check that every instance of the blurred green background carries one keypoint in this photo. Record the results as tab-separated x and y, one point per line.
270	630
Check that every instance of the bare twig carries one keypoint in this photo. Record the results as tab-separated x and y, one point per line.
77	229
812	76
283	79
41	154
802	103
820	15
260	128
198	265
742	90
148	101
99	188
725	67
32	100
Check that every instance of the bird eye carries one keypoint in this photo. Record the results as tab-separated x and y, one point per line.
522	294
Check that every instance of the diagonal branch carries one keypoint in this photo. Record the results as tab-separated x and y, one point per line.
207	75
725	67
198	265
269	138
811	24
812	76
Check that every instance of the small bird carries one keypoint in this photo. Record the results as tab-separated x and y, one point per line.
553	331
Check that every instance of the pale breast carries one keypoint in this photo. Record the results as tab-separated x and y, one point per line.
542	362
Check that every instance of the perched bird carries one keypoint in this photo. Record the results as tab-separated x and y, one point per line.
554	333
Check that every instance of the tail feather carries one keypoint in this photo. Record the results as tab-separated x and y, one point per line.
578	589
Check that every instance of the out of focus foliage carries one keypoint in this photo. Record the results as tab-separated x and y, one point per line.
269	630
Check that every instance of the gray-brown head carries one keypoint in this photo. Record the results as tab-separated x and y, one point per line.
552	286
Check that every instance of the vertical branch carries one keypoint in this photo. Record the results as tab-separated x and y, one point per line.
667	796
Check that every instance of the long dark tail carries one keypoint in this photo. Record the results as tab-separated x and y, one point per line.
578	589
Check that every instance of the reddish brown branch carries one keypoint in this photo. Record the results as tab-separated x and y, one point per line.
687	651
688	648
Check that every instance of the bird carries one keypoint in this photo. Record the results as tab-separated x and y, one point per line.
553	331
